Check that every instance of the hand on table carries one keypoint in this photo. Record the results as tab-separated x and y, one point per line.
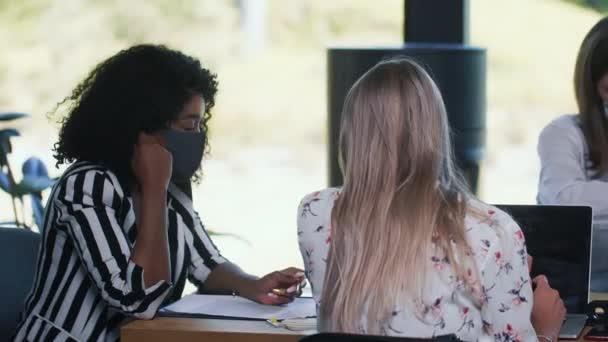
287	281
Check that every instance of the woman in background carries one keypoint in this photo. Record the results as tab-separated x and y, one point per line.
402	248
121	234
573	149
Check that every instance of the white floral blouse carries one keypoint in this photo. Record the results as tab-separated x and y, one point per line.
504	288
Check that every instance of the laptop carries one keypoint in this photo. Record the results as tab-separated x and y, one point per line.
559	240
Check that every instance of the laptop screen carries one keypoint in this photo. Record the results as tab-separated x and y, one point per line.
559	240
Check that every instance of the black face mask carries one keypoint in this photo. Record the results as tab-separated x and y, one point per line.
187	149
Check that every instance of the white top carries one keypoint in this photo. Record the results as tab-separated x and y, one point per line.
499	253
566	178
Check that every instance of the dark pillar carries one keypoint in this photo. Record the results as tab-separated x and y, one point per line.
436	21
436	33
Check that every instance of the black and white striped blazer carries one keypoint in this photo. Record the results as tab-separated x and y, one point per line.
86	285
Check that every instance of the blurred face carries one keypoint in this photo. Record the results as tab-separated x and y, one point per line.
189	120
602	88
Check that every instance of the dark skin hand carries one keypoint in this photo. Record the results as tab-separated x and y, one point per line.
152	168
228	277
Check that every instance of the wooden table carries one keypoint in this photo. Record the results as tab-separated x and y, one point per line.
208	330
212	330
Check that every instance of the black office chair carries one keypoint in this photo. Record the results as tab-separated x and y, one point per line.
337	337
18	253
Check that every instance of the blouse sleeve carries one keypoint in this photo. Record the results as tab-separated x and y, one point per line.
507	310
314	236
563	179
87	207
204	255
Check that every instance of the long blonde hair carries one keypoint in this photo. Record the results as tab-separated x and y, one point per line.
400	191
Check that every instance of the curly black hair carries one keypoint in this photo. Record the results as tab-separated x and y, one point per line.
140	89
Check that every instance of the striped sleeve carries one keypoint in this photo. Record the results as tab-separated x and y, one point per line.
88	208
204	255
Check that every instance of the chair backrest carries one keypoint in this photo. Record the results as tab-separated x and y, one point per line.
337	337
18	254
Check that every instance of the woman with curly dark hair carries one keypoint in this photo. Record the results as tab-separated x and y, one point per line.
121	236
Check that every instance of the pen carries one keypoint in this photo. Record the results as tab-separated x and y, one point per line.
294	288
283	292
280	292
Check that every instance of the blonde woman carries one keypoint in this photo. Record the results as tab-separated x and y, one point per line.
573	149
402	248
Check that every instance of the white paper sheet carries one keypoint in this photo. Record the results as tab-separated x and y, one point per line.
240	307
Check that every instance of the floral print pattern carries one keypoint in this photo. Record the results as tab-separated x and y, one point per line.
492	303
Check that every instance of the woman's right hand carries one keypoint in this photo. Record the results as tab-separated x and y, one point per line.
548	311
151	163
